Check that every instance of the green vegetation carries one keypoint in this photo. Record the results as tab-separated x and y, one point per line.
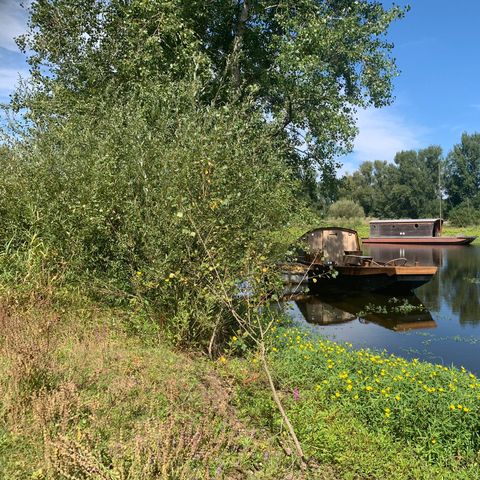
345	209
429	409
411	186
465	231
85	397
408	188
160	161
464	215
295	60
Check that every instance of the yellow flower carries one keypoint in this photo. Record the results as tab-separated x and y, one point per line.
337	394
433	440
234	338
355	397
222	359
465	409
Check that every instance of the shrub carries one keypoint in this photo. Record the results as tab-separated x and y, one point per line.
464	215
346	209
155	199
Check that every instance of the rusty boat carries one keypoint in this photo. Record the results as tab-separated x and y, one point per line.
334	260
423	231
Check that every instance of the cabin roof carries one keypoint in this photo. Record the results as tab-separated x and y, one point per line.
410	220
328	228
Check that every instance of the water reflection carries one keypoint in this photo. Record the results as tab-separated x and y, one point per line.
440	323
397	314
457	282
415	254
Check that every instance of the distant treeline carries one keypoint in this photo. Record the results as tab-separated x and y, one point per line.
413	185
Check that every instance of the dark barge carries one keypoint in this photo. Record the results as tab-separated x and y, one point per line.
423	231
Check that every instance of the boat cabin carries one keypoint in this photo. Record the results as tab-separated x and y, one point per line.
423	227
332	244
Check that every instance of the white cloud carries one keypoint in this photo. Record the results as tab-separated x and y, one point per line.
13	22
382	133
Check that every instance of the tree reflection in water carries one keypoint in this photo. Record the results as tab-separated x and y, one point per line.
398	314
457	283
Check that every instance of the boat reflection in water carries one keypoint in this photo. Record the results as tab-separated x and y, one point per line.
415	254
397	314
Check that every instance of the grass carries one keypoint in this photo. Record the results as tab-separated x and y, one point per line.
466	231
371	415
82	397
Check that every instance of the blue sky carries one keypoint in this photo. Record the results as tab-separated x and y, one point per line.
437	96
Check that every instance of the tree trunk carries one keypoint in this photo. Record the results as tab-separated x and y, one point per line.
238	43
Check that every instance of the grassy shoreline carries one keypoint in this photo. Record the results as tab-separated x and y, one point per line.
82	398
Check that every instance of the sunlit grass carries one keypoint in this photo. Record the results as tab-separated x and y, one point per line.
432	408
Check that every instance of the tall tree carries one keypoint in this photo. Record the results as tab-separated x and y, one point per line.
416	187
406	188
371	186
308	63
462	171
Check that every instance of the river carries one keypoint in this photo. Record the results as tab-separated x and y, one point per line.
439	322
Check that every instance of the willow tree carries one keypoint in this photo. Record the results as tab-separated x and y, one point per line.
309	64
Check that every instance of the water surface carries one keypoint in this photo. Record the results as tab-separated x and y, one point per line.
439	322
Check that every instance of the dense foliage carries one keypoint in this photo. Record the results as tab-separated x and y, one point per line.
346	209
155	197
408	188
462	171
412	186
308	64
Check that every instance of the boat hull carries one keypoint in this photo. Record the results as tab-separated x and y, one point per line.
420	240
388	279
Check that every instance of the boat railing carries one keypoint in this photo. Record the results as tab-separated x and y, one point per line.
395	262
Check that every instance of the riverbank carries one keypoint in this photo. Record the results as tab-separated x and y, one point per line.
84	397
